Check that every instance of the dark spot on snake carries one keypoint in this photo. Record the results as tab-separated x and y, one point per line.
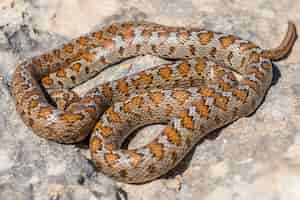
60	83
103	60
69	60
138	47
22	113
123	173
176	82
188	142
218	120
151	169
229	57
193	50
87	70
174	157
73	78
213	52
121	51
30	122
172	50
153	47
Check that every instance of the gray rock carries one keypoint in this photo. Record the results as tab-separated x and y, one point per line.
254	158
12	191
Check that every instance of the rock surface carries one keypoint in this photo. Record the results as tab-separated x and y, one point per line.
254	158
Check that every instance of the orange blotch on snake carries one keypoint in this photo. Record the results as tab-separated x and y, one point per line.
205	37
202	109
33	103
113	116
88	56
181	95
142	79
247	46
128	25
95	144
47	80
168	110
68	48
172	135
221	102
156	149
201	64
45	112
127	107
156	97
206	91
61	73
187	121
219	71
225	86
104	131
83	40
240	94
165	72
76	67
96	99
127	34
226	41
184	68
111	158
123	86
109	146
70	117
134	157
138	100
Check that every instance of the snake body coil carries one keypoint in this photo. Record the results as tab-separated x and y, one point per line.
216	79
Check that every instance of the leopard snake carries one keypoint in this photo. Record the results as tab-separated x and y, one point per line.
214	78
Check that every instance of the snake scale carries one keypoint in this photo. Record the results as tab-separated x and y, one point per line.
214	78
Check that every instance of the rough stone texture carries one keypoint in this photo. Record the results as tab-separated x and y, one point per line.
254	158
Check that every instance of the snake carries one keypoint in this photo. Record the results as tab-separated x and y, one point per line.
212	79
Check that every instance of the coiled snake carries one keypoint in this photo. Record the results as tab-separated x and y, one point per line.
215	79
